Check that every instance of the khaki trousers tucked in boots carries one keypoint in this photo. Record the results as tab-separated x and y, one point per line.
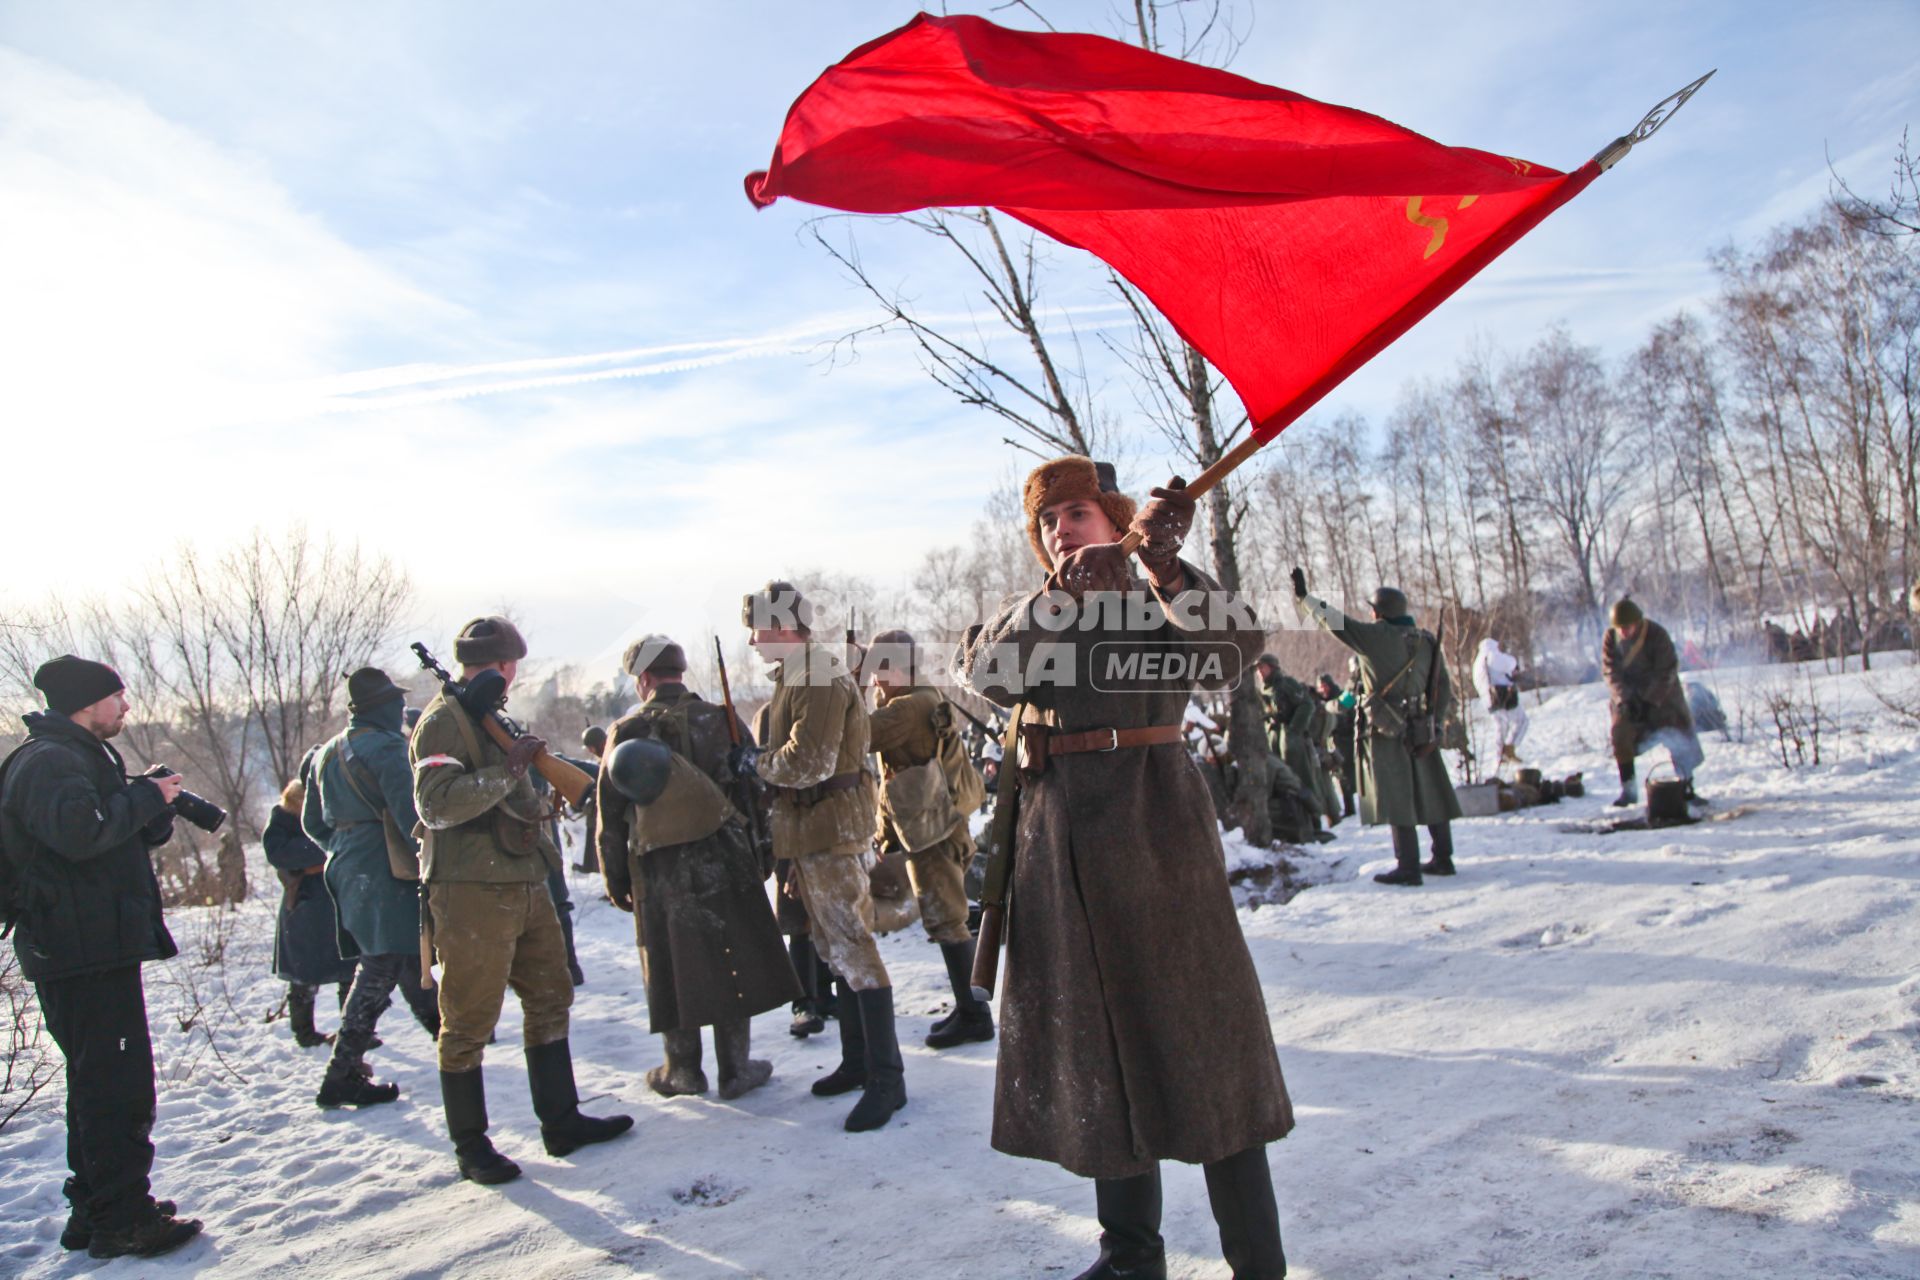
491	937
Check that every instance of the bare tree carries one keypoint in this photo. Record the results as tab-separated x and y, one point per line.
302	615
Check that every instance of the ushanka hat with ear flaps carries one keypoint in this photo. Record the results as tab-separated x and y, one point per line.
1072	479
778	606
654	656
488	640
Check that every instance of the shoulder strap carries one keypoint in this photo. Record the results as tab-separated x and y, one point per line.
349	767
1374	695
469	736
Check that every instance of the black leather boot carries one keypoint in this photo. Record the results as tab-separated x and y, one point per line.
300	1016
556	1100
740	1073
851	1074
1240	1188
1130	1243
971	1020
886	1087
1441	863
349	1082
78	1233
154	1233
680	1073
1406	855
464	1095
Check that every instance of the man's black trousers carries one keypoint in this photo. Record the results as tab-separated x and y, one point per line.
99	1020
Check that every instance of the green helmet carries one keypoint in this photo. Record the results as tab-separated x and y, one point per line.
1390	602
639	769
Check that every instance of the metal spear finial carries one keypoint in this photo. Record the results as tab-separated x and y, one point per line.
1611	154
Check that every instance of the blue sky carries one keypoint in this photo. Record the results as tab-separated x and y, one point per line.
353	263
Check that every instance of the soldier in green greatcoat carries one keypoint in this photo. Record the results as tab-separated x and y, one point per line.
1296	730
1404	699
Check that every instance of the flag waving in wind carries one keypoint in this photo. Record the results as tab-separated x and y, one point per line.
1288	239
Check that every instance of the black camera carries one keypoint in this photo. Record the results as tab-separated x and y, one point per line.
200	811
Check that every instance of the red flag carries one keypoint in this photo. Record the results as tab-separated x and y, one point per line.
1288	239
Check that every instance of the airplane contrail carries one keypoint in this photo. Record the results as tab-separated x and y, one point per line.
403	386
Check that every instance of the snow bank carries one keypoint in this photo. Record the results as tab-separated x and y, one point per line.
1682	1053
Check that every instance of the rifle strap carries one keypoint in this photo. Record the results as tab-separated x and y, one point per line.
998	885
468	734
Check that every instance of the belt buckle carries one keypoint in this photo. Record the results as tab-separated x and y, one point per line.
1114	745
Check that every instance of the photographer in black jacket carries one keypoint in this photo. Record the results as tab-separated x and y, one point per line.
86	907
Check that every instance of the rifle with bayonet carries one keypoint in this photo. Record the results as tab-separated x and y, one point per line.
745	798
482	698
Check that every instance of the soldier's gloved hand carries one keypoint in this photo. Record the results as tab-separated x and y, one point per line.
744	761
1299	576
1099	567
1163	525
621	897
521	753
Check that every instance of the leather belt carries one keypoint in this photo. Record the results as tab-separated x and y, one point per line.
1038	744
818	791
1153	735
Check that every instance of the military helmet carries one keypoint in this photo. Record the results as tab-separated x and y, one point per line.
639	769
1391	602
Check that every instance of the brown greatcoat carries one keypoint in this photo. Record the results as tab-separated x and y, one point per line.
1133	1028
1643	676
710	950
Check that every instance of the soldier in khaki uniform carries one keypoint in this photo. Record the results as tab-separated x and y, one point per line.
484	858
814	756
928	789
678	854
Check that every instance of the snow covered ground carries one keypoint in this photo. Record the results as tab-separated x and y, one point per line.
1682	1053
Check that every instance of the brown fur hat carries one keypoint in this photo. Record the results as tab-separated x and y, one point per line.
488	640
1065	480
292	796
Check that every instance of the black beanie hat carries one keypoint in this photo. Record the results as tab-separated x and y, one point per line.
71	683
368	687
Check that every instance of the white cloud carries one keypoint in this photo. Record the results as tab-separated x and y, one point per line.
155	282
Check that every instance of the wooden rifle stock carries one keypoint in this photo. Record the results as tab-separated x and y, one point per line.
572	783
986	951
999	880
